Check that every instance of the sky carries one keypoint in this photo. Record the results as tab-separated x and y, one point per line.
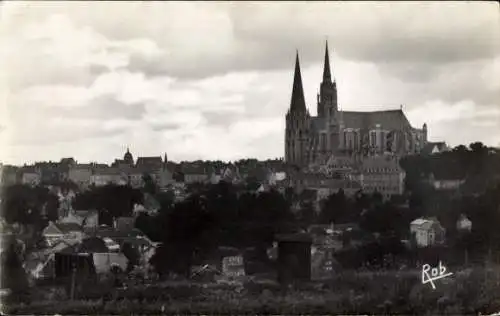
213	80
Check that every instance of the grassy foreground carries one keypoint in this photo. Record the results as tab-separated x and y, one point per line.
464	293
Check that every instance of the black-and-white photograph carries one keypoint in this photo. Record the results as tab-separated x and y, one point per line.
237	158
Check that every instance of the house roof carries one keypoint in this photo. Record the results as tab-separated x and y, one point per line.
426	223
61	228
429	147
157	160
88	245
82	166
68	227
125	223
194	169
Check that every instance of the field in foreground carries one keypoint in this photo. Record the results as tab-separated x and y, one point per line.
467	292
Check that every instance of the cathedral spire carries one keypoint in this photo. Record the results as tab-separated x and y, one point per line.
327	76
298	102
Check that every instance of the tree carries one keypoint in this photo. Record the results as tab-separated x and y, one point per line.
13	275
149	184
132	254
24	204
335	209
111	201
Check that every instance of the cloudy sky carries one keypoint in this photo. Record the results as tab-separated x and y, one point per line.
213	80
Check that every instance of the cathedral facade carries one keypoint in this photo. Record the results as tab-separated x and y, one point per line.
312	139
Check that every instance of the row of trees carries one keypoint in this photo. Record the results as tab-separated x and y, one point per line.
478	163
217	215
25	204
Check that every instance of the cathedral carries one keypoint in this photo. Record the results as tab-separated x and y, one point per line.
313	139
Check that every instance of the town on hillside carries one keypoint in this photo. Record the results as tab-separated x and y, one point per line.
343	223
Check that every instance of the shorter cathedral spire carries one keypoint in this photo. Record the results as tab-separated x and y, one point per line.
297	102
327	75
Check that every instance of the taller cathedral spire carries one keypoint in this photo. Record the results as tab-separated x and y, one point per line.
297	102
327	76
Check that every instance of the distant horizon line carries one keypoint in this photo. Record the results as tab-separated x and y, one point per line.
213	160
108	164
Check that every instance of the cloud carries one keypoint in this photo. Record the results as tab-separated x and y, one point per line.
213	80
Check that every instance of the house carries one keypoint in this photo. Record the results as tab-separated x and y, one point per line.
41	264
382	174
105	261
195	173
441	181
65	202
154	163
427	232
323	263
80	174
124	223
166	177
464	224
294	257
151	204
432	148
231	174
264	187
88	219
276	177
62	231
215	177
112	245
135	176
104	176
31	176
8	175
341	166
50	172
259	174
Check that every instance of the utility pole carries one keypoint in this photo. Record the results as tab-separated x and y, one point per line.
73	279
